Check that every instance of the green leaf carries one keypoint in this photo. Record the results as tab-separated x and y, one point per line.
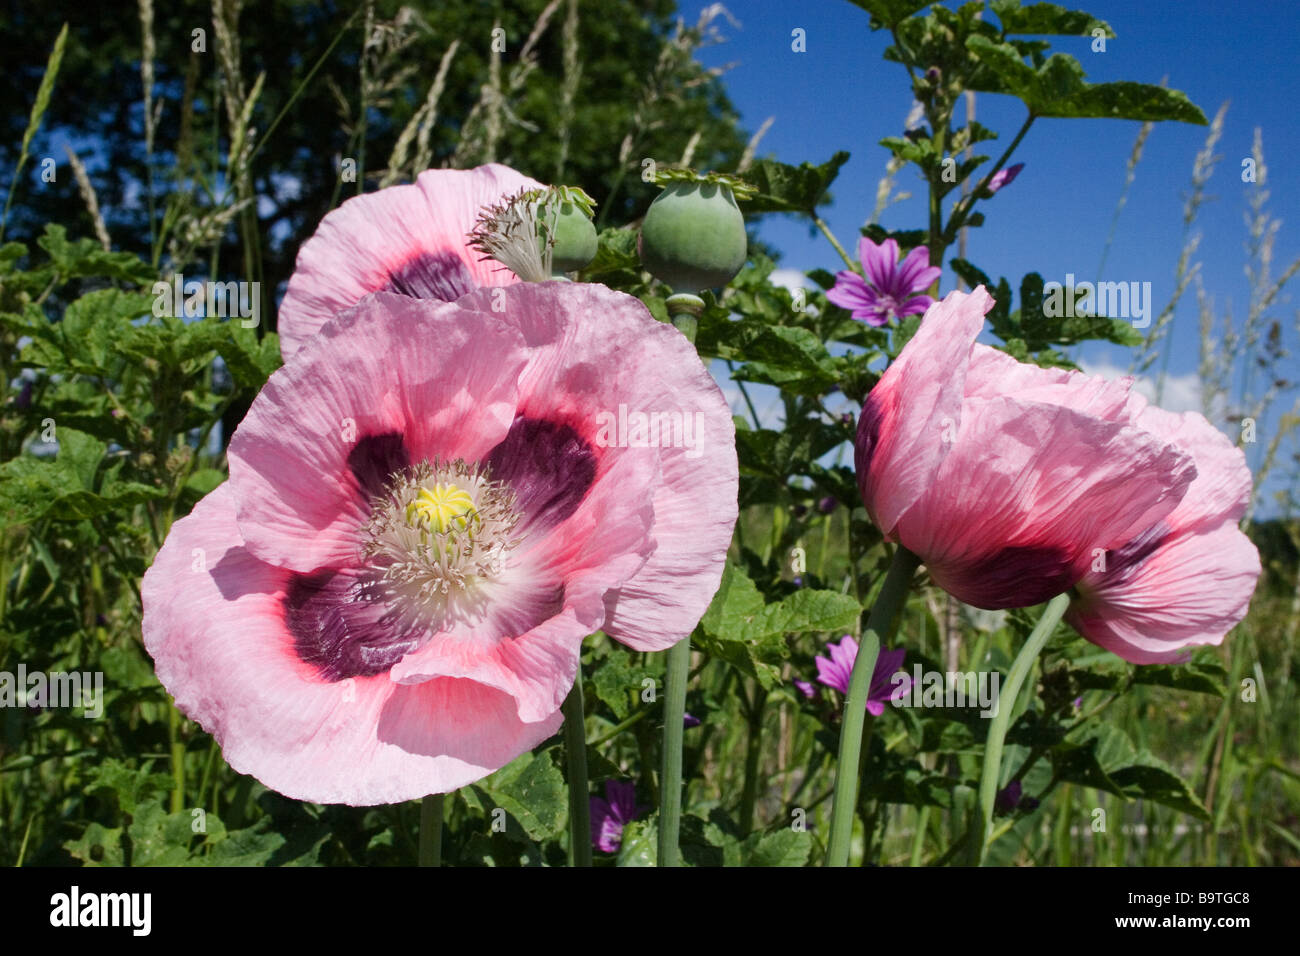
132	786
64	489
159	838
785	188
744	630
1127	100
1205	676
1046	19
615	252
98	846
85	257
251	360
532	790
1057	88
888	13
617	681
640	846
785	847
1104	758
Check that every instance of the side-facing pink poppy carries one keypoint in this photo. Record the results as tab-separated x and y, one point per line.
1188	579
426	514
1010	480
409	239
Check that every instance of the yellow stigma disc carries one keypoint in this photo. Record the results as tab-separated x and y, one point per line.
442	509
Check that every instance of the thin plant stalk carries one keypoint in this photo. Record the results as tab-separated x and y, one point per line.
685	309
431	830
670	799
575	753
998	728
888	603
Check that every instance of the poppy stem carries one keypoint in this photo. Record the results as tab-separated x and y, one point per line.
1006	705
431	830
892	595
575	752
685	309
670	789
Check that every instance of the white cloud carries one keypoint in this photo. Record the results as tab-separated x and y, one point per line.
791	279
1182	393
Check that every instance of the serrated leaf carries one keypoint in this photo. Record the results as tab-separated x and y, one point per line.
785	188
1046	19
1056	88
1200	677
888	13
532	790
640	846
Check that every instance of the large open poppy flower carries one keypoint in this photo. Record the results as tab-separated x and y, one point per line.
427	512
409	239
1012	482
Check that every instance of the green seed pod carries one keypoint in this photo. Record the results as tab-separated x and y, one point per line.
573	233
693	237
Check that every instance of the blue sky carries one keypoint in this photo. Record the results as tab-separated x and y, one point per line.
1055	217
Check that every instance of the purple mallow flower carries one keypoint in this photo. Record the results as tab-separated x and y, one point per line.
609	814
890	289
835	671
1008	797
1004	177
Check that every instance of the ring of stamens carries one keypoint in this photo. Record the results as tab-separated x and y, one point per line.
438	536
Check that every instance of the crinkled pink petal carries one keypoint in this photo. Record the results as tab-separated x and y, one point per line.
366	244
1029	491
390	366
1221	491
214	624
914	405
993	372
1191	590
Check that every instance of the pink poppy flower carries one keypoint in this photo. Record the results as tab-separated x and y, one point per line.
1188	579
1003	477
425	517
409	239
1010	481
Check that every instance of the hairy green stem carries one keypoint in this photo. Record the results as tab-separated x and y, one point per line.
892	595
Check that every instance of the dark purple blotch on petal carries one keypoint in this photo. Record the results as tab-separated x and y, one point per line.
374	459
1124	561
547	465
342	626
1022	576
432	276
